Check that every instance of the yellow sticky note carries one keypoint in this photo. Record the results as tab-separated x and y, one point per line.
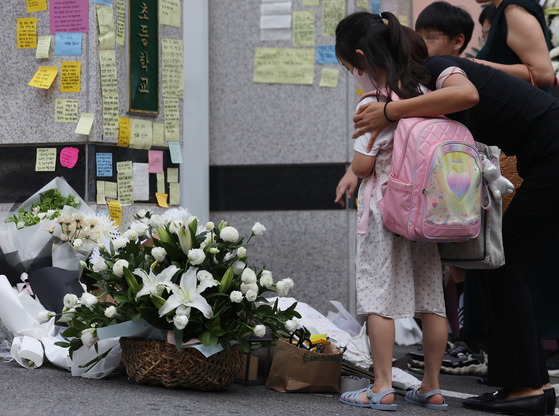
284	66
120	22
66	111
27	33
403	19
46	159
125	182
303	28
329	77
172	175
43	47
44	77
111	190
174	193
107	63
110	116
170	12
36	6
158	134
115	211
70	76
171	119
161	200
311	2
123	132
332	13
363	4
85	124
172	78
106	26
160	183
101	193
141	134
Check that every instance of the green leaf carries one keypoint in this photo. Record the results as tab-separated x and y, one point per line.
71	332
164	235
131	280
158	301
213	340
226	280
264	310
243	343
206	338
62	344
178	338
136	317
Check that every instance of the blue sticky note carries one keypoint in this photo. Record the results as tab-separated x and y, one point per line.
326	54
375	6
104	164
68	44
175	150
105	2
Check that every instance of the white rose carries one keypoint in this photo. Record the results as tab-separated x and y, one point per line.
289	282
156	221
183	310
141	213
210	226
44	316
236	296
238	267
110	312
248	276
196	256
120	242
100	265
266	279
258	229
158	253
229	235
241	252
282	288
78	242
291	325
174	226
118	268
88	300
204	275
260	331
250	286
140	228
88	337
70	300
180	321
251	295
131	235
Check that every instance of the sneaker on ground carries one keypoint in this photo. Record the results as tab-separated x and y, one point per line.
461	360
552	364
416	359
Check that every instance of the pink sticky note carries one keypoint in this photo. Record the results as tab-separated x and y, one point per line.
69	16
69	157
155	160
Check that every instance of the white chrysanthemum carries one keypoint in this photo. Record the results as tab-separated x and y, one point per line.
156	221
179	214
104	229
258	229
140	228
229	235
248	276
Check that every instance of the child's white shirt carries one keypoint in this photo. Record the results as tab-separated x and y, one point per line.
383	140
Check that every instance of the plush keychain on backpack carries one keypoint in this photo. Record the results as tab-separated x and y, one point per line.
498	184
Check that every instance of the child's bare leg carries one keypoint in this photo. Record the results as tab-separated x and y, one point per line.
435	336
381	334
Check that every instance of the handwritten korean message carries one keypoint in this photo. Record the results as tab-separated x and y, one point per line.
66	111
172	68
69	16
70	76
27	33
44	77
46	159
107	62
68	44
303	28
104	163
171	119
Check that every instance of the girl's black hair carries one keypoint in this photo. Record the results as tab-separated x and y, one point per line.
386	45
488	13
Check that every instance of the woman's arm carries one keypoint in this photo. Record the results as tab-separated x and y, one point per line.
526	39
457	94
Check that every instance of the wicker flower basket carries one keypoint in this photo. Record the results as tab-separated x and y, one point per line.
159	363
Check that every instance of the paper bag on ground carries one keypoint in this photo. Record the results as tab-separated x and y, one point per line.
300	370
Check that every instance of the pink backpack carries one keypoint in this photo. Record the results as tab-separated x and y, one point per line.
435	183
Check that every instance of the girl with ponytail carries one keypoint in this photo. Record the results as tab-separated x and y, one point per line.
395	277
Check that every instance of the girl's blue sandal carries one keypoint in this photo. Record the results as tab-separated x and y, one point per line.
415	397
352	398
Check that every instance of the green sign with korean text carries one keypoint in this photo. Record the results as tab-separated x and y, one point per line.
143	88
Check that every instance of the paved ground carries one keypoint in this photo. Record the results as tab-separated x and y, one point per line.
49	391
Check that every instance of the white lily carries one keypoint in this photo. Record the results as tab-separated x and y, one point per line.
185	239
155	284
189	294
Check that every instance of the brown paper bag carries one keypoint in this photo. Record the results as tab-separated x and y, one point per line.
300	370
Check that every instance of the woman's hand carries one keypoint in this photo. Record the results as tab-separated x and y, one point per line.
370	118
347	183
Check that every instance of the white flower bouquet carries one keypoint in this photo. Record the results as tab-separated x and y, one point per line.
193	282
